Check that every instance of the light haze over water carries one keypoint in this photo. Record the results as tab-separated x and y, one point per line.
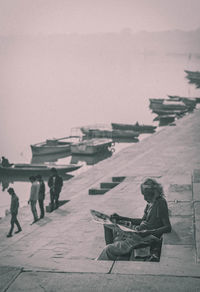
46	96
66	63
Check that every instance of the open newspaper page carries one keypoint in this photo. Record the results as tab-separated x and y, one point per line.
105	219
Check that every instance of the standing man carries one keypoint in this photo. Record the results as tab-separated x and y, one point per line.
34	197
55	184
41	195
14	206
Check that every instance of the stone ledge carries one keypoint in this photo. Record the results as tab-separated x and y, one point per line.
196	191
70	266
196	176
157	269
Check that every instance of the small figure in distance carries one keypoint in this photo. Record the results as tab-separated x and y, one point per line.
14	206
34	197
55	184
41	195
5	162
151	226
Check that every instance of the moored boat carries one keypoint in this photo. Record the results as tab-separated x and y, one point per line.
53	146
97	133
169	105
35	169
170	112
134	127
92	146
165	119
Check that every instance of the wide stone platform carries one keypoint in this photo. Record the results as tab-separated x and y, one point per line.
61	248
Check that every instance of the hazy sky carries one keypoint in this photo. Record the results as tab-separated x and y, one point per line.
85	16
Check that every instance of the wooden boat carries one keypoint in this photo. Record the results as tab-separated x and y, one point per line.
189	102
92	146
161	112
134	127
169	105
34	169
165	119
97	133
169	118
53	146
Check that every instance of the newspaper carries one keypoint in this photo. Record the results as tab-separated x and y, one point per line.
105	219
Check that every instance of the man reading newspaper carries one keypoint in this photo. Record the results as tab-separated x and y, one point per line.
121	240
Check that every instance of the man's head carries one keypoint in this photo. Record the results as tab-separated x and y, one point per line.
11	191
151	189
53	171
32	178
38	177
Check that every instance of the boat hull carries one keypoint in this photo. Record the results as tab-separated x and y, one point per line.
110	134
46	150
134	127
91	147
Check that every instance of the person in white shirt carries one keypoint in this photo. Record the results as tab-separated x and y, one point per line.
34	197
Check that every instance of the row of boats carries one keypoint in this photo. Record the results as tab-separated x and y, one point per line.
93	139
193	77
173	107
98	141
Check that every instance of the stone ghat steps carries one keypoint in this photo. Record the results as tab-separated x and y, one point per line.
106	186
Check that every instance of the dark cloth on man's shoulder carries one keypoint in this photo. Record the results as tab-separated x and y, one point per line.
57	185
14	206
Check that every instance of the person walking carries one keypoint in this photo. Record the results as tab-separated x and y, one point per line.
55	184
14	206
34	197
41	195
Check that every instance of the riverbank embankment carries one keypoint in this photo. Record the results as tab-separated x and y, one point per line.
58	252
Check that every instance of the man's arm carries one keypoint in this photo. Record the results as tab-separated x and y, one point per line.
120	219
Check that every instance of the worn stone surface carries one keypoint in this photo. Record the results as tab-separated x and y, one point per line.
182	231
180	208
41	282
178	253
179	192
196	191
7	276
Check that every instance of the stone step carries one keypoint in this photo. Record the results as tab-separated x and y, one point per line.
96	191
118	178
108	185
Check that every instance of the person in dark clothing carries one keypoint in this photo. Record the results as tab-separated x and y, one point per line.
41	195
5	162
151	226
14	206
55	184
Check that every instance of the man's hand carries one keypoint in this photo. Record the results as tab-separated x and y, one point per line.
144	233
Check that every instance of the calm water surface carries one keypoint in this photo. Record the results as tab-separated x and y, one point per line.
50	95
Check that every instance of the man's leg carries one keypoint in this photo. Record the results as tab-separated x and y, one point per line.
34	210
41	204
12	225
52	197
56	199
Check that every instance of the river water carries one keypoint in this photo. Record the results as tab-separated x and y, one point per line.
51	95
